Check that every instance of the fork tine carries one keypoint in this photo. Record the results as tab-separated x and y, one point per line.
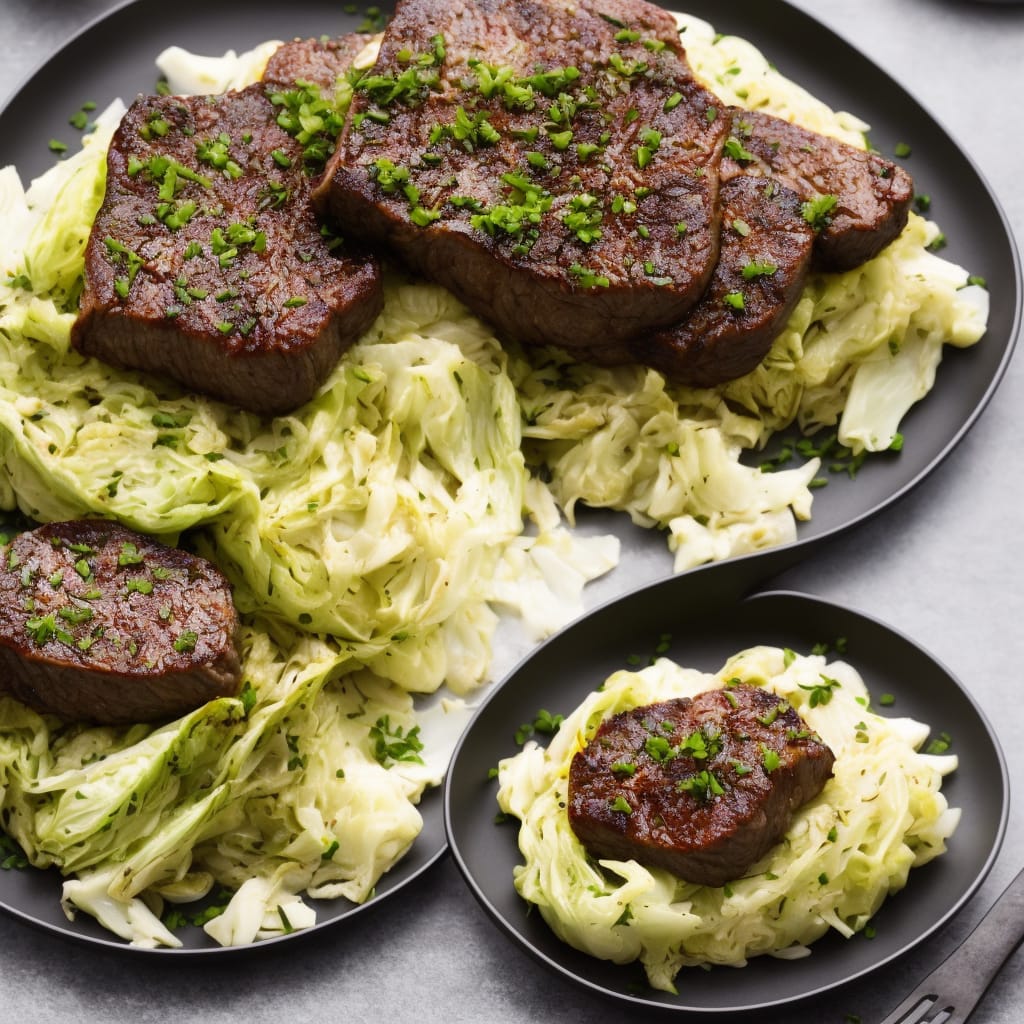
912	1010
924	1007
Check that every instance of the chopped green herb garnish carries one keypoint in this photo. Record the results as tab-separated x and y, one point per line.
41	628
589	278
129	554
659	749
758	268
703	786
702	744
584	217
74	614
547	723
821	693
393	743
816	211
186	642
735	149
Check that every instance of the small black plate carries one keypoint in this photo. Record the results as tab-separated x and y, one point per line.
706	625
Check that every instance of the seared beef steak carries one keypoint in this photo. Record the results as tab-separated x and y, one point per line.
765	253
872	195
206	262
702	787
102	624
552	163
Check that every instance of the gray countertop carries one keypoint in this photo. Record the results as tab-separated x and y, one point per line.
942	566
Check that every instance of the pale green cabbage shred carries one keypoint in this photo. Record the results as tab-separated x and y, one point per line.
373	536
883	803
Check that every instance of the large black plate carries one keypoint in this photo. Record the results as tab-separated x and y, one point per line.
707	624
114	57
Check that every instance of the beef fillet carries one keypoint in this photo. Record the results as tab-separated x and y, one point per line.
765	254
703	787
552	163
872	195
101	624
206	263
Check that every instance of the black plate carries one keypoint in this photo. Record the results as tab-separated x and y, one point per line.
113	57
707	625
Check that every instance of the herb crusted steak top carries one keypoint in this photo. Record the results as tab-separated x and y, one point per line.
765	254
102	624
206	262
320	62
554	164
702	787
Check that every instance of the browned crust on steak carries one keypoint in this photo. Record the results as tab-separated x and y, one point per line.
244	300
674	820
543	282
102	624
762	266
319	61
873	194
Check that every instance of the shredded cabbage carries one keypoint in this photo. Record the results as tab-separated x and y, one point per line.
881	814
366	536
306	783
373	536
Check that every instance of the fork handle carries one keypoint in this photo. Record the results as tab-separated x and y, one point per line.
968	971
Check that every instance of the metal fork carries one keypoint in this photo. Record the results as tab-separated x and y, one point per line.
951	992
